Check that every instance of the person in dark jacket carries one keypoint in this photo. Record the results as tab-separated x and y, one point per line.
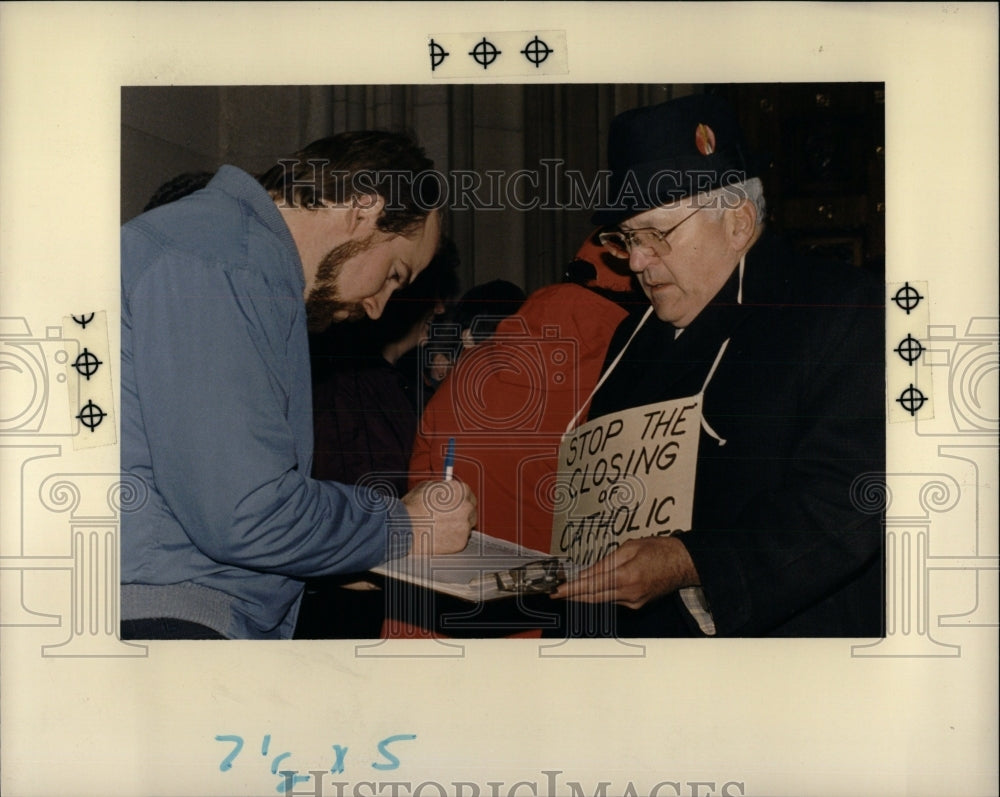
364	422
364	403
786	356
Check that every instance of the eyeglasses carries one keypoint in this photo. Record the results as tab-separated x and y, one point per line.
543	576
620	243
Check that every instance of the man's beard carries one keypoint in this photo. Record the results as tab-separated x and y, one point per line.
323	304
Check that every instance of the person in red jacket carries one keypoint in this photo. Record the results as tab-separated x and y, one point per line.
506	404
510	399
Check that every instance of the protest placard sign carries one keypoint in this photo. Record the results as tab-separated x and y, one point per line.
624	476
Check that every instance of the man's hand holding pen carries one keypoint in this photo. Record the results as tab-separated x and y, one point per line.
442	513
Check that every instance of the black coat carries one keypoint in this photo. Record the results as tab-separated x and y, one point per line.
784	534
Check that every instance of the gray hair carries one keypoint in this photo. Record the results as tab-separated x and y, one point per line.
733	195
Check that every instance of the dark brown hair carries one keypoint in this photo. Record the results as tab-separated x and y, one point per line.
355	167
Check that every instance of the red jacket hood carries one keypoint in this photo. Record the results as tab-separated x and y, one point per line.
554	324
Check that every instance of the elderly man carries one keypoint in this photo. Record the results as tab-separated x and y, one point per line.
787	355
218	289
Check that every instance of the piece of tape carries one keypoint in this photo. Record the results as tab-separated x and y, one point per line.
910	388
88	377
497	54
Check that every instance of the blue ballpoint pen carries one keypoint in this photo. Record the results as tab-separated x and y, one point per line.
449	460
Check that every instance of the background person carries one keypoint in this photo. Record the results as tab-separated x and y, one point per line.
508	401
365	413
364	403
178	187
483	307
506	405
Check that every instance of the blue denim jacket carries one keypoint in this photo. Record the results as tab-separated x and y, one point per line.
217	423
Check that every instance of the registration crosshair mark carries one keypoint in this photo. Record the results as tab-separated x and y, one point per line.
485	53
536	51
91	415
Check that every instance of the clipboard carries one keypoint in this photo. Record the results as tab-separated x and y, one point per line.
489	568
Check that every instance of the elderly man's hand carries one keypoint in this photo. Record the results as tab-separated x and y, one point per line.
442	514
634	574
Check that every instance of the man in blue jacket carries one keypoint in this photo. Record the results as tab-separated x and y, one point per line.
784	357
218	290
